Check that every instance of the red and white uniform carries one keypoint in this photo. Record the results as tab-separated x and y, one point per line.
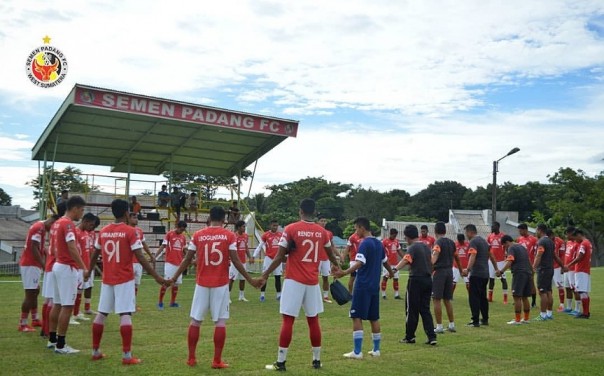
583	267
353	246
242	248
301	286
174	246
271	243
498	252
428	240
136	265
31	270
569	255
117	243
392	248
325	265
529	243
48	289
65	269
85	244
462	252
212	245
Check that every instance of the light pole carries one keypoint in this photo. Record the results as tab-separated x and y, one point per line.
494	187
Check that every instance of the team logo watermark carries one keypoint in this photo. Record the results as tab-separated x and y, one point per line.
46	66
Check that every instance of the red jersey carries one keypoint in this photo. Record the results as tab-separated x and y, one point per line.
85	244
36	233
462	252
310	240
584	266
392	248
141	237
242	241
570	252
117	242
323	255
213	245
64	232
175	245
559	248
529	243
428	240
353	246
50	254
271	242
495	245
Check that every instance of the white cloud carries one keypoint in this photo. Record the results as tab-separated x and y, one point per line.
14	149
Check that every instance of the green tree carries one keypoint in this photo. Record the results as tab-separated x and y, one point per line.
375	205
206	185
525	199
349	229
578	199
5	199
70	178
436	200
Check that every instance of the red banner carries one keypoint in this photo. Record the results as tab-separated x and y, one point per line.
183	112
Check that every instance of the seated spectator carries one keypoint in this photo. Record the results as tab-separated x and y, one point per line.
163	197
234	213
135	207
193	205
176	199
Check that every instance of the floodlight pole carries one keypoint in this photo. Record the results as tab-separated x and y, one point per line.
494	187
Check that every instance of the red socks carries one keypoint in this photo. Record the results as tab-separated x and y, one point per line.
174	293
97	335
192	338
219	339
162	292
395	284
76	304
287	329
384	284
315	331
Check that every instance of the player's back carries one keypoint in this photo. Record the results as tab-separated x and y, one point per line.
304	241
212	245
117	241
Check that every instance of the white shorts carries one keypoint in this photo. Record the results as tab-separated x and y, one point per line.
267	262
569	280
48	287
80	279
558	278
582	282
500	265
296	295
170	270
30	276
234	274
90	283
456	275
210	299
385	272
66	284
138	272
117	298
325	268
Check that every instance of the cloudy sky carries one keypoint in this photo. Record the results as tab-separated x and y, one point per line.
389	94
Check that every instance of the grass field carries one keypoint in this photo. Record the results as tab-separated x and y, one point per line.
562	346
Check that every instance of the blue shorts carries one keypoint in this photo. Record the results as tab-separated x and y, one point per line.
365	305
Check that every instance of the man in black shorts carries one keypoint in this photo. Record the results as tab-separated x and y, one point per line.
419	287
443	254
518	260
544	265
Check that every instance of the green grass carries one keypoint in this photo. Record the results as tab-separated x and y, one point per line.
563	346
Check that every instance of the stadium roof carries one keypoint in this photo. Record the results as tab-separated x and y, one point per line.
147	135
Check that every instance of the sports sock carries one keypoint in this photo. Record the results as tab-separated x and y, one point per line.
505	296
533	299
278	284
98	326
282	354
543	315
287	327
219	339
126	332
561	295
76	304
87	302
60	342
241	294
490	296
314	330
439	326
569	304
325	294
585	303
193	338
517	316
451	324
316	353
527	314
262	294
174	293
377	340
34	314
395	285
549	313
52	337
383	286
23	320
578	305
162	292
357	339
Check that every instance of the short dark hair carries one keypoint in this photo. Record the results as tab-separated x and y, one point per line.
61	208
307	206
217	213
411	231
97	221
64	191
578	231
239	224
182	224
542	227
393	231
424	227
496	224
549	233
320	216
471	227
75	202
522	226
119	207
506	238
274	221
440	228
89	217
461	238
570	229
362	222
